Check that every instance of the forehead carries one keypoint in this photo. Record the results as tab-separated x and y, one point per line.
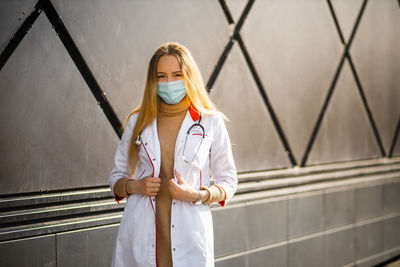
168	63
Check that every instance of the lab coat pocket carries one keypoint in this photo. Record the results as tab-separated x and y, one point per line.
197	149
195	157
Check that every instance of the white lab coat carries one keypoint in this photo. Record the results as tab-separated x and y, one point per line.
191	225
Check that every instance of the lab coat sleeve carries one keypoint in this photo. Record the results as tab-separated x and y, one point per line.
120	168
222	165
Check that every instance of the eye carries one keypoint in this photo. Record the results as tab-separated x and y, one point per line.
160	76
178	75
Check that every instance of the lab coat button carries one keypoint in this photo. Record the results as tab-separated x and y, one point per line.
172	226
173	203
173	249
152	245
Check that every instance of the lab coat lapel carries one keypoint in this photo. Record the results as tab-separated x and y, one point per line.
152	143
187	122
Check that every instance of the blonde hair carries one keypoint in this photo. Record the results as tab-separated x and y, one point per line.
195	91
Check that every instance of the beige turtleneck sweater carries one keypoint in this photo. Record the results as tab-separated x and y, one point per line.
169	120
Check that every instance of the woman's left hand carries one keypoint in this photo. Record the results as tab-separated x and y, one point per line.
181	190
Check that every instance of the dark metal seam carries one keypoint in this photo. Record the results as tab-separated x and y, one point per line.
228	47
358	82
355	27
226	11
243	16
335	78
366	106
82	66
322	113
19	35
332	10
395	137
220	63
266	101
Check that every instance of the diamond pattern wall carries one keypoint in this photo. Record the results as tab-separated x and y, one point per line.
54	135
303	83
377	58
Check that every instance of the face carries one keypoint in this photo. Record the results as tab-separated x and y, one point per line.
168	69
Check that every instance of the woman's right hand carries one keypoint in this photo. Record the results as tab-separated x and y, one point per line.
148	186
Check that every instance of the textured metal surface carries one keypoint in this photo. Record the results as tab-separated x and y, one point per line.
12	15
368	201
225	244
339	248
305	215
377	58
391	198
236	8
256	145
267	224
39	251
345	134
296	63
55	134
346	13
117	39
93	247
276	256
339	208
299	252
391	234
369	239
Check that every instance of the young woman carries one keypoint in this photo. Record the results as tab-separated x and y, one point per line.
172	144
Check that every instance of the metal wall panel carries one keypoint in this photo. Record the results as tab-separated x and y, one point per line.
299	252
305	215
117	39
339	248
339	208
346	13
37	251
391	198
236	8
376	57
54	135
346	133
92	247
369	239
256	145
391	233
369	202
295	52
224	243
12	15
268	223
396	151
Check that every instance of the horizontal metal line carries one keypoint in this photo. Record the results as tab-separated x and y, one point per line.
297	239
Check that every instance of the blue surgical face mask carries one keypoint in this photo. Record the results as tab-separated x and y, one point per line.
172	92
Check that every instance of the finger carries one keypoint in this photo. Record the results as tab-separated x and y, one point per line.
156	185
154	180
172	183
178	176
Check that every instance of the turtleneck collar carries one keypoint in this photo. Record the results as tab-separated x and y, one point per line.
165	109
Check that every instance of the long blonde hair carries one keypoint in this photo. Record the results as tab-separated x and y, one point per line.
195	91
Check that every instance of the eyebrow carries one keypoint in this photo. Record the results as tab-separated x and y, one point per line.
172	72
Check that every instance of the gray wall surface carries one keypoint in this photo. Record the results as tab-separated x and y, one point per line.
303	83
